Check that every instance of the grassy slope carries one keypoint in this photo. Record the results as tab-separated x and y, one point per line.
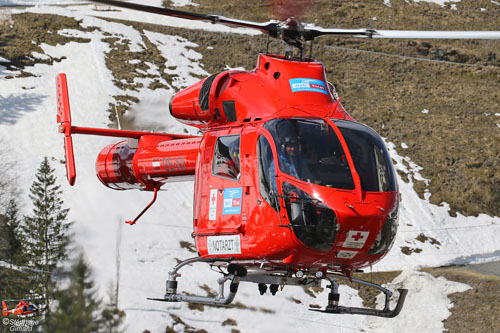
457	141
477	309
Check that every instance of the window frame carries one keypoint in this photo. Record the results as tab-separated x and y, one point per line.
214	158
260	169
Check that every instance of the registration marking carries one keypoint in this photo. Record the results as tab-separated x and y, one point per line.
224	244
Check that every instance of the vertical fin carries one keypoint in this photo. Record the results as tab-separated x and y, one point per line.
4	309
64	119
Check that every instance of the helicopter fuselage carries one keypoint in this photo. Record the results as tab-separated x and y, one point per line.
339	215
288	188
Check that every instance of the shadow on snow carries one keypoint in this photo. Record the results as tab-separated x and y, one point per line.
13	108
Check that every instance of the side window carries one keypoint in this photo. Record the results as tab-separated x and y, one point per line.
267	179
226	161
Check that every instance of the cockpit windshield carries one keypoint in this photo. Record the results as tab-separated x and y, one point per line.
309	150
370	157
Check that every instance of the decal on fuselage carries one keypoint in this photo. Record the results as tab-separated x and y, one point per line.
212	210
304	84
343	254
174	164
355	239
232	201
224	244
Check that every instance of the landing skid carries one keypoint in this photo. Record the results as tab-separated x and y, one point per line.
334	296
236	274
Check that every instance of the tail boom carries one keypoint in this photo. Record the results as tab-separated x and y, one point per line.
145	162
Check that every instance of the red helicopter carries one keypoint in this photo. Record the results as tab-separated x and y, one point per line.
288	188
23	308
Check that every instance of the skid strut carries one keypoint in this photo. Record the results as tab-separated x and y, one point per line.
334	297
235	272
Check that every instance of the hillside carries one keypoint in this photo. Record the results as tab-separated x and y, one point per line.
388	83
436	103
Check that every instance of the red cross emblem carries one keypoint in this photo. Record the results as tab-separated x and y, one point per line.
358	236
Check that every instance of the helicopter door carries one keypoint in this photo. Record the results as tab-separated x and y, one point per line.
226	185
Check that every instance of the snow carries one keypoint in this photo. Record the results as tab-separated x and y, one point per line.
143	254
181	3
181	60
439	2
126	14
420	286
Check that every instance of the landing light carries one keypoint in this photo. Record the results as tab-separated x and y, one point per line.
299	274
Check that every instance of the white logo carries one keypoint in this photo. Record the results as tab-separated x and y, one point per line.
355	239
212	211
346	254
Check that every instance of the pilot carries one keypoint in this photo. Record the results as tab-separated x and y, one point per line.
292	161
290	157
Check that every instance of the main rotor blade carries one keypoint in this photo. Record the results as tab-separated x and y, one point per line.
293	30
270	27
312	32
437	34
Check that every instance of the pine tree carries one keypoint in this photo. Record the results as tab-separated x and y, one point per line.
112	316
45	233
78	305
13	251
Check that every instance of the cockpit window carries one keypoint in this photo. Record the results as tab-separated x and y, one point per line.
267	180
370	157
309	150
226	161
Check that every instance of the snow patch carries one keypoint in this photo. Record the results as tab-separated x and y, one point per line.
182	60
182	3
426	294
442	3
